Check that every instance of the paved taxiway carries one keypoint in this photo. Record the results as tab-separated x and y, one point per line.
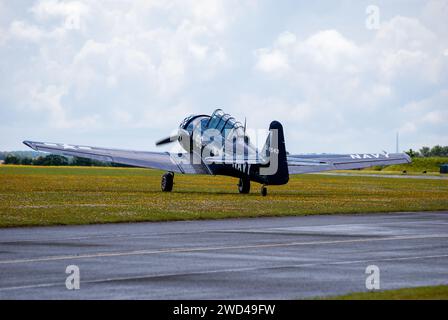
264	258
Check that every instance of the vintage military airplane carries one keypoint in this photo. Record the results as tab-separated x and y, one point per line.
219	145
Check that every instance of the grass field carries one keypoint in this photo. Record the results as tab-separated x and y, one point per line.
79	195
419	293
418	165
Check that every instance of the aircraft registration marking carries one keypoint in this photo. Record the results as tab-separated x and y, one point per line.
369	156
243	167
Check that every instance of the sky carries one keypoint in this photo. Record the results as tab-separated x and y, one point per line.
341	76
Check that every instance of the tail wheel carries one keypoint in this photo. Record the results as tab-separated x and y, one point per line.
264	191
167	182
244	185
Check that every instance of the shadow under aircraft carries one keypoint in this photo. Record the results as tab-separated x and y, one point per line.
217	144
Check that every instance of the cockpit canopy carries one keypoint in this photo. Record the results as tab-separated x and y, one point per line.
219	120
225	123
194	122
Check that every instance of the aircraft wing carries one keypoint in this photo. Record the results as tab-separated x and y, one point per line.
307	163
180	163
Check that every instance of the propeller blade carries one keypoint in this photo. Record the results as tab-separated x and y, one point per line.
167	140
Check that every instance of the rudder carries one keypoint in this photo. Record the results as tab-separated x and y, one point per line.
276	172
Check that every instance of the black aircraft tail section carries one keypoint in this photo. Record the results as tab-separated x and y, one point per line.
276	172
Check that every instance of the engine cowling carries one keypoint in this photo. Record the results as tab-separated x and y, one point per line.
185	139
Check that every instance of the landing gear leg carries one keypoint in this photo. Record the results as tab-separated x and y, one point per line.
264	191
244	185
167	182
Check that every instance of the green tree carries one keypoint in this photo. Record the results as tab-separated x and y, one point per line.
412	153
77	161
55	160
436	151
12	159
51	160
26	161
425	152
445	151
39	161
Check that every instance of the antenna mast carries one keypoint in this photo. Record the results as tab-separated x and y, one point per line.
396	143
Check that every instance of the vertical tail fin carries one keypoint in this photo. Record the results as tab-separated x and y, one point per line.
276	172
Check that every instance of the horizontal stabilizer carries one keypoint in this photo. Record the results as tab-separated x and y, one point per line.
307	163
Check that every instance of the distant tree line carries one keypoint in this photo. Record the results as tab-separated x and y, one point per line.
22	154
436	151
56	160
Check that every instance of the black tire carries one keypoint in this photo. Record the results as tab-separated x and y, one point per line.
244	185
264	191
167	182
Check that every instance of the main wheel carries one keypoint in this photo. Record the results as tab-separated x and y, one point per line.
167	182
244	185
264	191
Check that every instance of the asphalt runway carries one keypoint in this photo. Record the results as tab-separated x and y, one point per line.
262	258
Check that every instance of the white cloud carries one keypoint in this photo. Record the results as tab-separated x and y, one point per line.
122	116
44	9
272	61
400	47
70	16
48	100
436	117
142	66
286	39
71	12
99	47
24	31
327	49
434	16
343	80
428	113
404	47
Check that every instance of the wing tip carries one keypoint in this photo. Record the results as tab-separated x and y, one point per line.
407	157
404	157
29	144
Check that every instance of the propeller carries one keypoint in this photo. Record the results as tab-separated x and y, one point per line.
167	140
182	135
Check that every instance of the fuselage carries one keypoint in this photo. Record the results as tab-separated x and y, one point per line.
221	135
